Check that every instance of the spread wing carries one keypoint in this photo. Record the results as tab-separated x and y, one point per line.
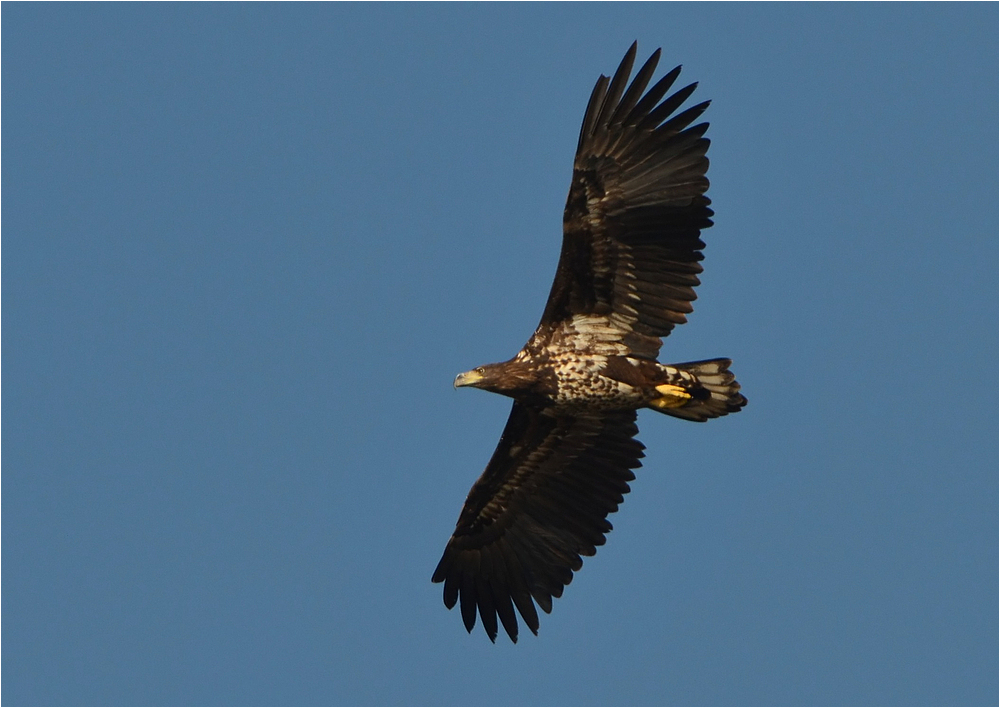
540	505
636	207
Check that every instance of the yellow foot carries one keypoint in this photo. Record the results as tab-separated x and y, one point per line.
673	397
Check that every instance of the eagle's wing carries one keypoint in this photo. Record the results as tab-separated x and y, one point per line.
636	207
541	504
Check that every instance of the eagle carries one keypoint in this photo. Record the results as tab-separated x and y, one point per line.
629	264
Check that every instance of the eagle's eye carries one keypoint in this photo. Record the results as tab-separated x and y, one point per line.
481	371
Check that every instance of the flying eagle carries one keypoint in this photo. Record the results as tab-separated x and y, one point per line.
626	275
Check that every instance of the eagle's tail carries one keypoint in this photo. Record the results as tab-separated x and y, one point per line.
699	390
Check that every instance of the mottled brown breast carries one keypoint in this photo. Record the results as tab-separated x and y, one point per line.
581	383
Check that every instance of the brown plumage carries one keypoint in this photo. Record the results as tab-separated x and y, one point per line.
626	276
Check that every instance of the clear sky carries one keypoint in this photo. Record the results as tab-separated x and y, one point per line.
246	249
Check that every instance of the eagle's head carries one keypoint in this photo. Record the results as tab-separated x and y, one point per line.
508	377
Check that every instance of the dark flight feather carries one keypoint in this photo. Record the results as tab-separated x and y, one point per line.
526	523
640	171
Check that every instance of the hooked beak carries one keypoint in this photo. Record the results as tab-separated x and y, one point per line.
469	378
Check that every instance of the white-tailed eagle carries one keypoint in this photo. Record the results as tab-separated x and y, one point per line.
629	265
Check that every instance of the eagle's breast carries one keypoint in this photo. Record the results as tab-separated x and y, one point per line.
580	384
571	359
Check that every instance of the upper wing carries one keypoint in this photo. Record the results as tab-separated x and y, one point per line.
636	207
538	507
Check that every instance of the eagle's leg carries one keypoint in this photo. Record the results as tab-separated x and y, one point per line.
671	397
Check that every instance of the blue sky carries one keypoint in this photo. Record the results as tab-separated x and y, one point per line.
247	248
